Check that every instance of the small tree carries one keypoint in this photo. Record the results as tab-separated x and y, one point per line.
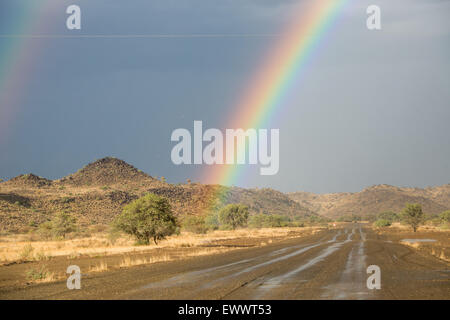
234	215
413	215
388	215
212	221
195	224
445	216
63	223
380	223
149	217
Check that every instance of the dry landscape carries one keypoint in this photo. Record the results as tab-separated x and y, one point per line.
331	257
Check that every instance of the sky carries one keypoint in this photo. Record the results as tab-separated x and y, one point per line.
372	107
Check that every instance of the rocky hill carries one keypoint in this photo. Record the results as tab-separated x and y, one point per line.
106	172
96	193
374	200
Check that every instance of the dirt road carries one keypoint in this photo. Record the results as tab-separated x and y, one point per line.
328	265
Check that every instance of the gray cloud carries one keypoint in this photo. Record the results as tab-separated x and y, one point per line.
370	107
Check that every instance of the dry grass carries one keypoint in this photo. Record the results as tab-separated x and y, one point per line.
414	245
100	267
40	274
21	248
128	261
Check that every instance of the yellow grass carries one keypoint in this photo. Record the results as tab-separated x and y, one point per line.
102	266
128	261
21	247
40	274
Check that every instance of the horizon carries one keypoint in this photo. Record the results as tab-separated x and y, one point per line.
158	177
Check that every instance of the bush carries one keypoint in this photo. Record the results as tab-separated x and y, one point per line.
45	230
149	217
233	216
40	273
316	219
27	253
195	224
388	216
212	221
63	223
380	223
349	218
445	216
413	215
268	221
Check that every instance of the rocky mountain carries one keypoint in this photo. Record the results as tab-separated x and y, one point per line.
374	200
96	193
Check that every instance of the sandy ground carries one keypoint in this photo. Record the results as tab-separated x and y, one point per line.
330	264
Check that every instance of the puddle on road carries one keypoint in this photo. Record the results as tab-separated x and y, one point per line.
199	275
351	284
335	237
418	240
276	281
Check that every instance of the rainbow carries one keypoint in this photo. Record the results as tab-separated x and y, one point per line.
18	55
270	84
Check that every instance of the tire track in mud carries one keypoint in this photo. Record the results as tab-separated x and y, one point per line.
234	270
270	283
352	281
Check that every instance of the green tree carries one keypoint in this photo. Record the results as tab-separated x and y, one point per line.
63	223
268	221
234	215
382	223
149	217
413	215
195	224
389	216
212	221
445	216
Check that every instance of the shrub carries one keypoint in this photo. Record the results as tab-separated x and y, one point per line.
380	223
233	216
195	224
268	221
413	215
389	216
257	221
45	230
40	273
297	224
445	216
316	219
63	223
113	235
349	218
27	253
146	218
212	221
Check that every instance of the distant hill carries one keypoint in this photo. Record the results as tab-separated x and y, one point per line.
192	199
374	200
107	171
28	180
96	193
